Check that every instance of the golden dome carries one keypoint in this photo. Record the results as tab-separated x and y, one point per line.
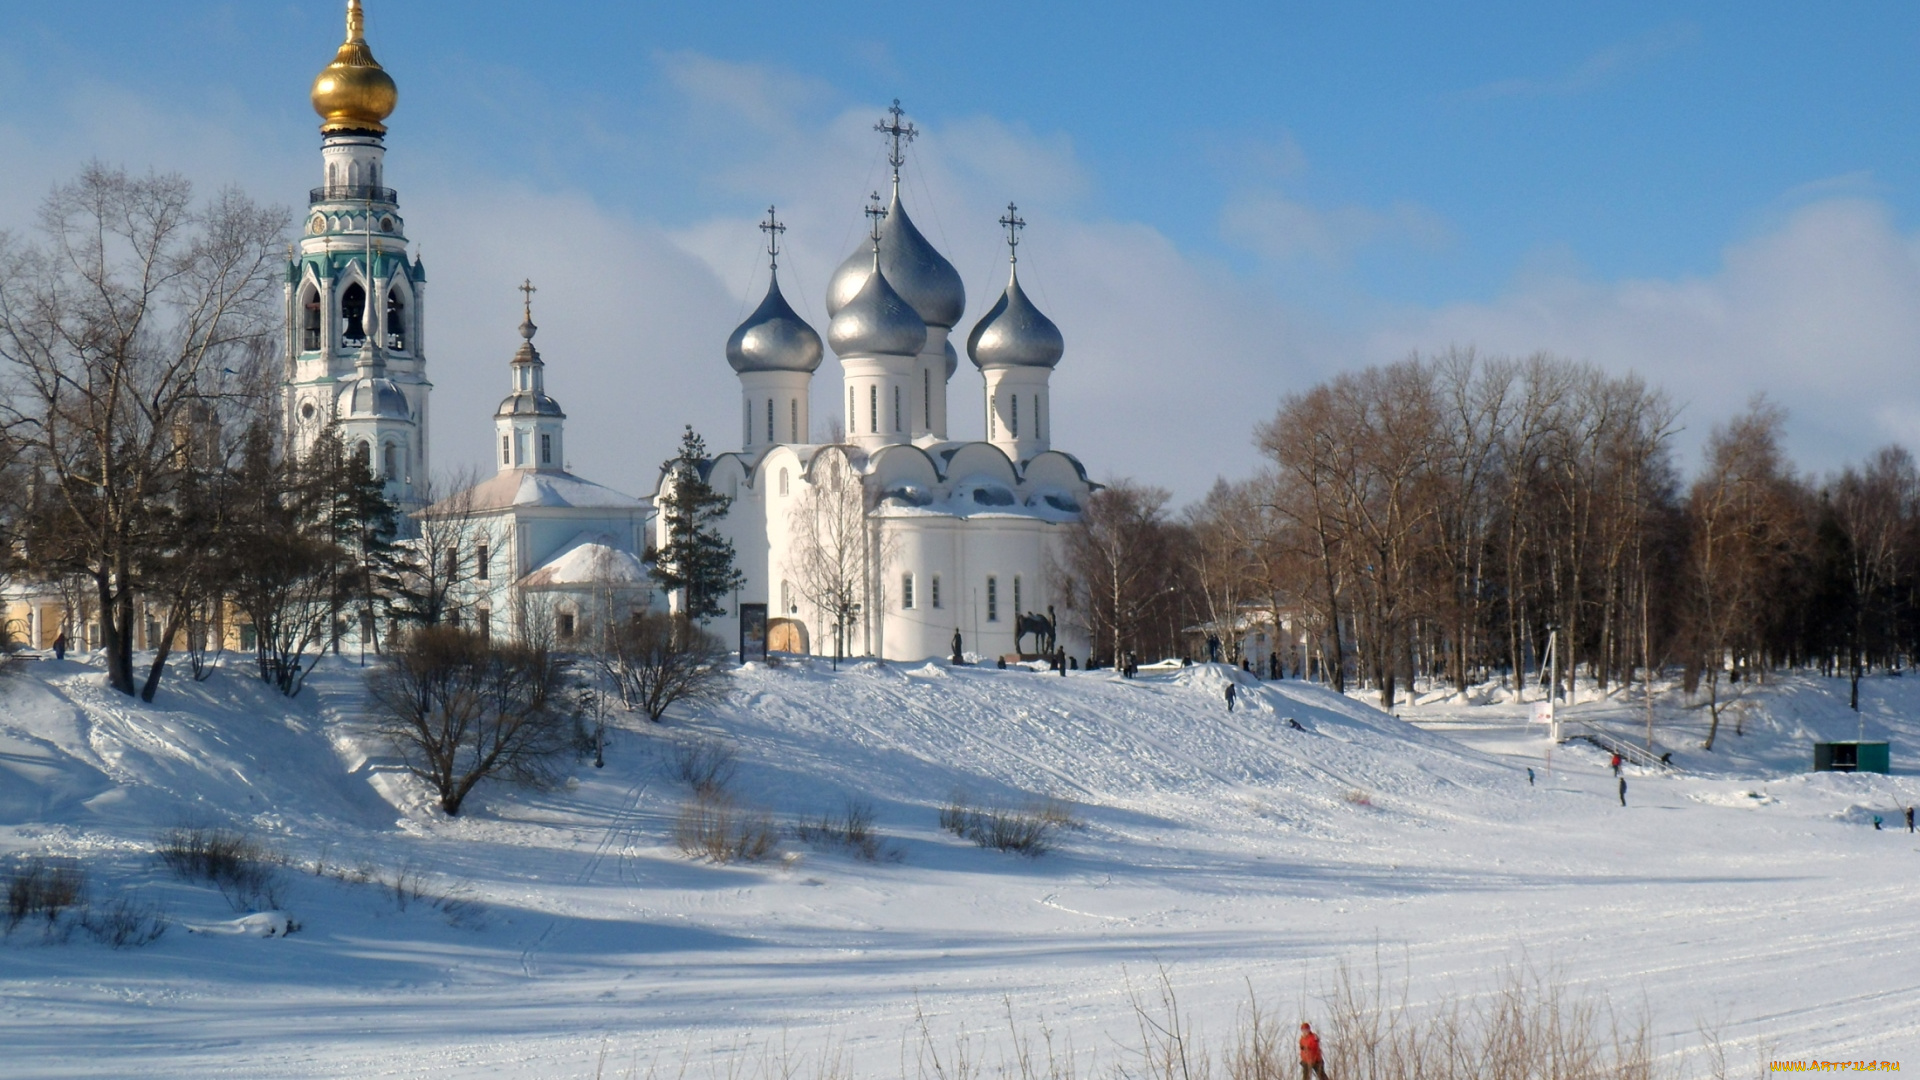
354	93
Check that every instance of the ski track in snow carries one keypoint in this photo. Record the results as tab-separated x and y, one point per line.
1227	847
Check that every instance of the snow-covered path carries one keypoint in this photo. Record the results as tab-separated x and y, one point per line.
1229	848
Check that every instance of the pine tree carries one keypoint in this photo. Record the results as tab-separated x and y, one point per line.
695	558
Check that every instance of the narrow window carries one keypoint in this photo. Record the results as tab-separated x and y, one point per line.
353	309
482	562
563	625
1013	419
786	598
310	319
453	565
993	419
993	599
506	454
546	449
793	420
519	448
933	591
853	418
783	482
1016	596
896	408
769	419
483	622
366	456
396	321
926	398
391	464
873	409
1037	433
906	592
746	423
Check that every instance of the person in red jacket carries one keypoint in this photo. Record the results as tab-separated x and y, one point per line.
1311	1062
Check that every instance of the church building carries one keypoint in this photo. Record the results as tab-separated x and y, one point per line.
897	540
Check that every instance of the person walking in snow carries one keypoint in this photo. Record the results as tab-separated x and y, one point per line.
1230	696
1312	1062
60	646
1616	764
1623	791
1909	819
1529	776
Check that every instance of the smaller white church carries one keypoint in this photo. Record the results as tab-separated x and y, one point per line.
541	553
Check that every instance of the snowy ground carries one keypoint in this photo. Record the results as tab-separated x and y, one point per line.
1743	893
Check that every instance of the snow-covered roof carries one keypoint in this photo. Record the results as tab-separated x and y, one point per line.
534	487
589	559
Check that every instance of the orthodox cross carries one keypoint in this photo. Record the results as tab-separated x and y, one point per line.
773	229
877	213
900	134
1013	223
526	287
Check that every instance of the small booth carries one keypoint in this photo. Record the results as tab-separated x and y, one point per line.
1851	756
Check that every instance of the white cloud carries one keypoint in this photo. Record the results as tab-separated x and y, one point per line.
1276	227
1597	69
1822	313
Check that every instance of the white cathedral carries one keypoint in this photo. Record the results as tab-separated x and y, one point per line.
948	537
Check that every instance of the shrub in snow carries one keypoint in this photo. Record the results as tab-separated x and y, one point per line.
41	888
1028	830
245	871
850	828
705	765
658	660
712	825
462	709
124	922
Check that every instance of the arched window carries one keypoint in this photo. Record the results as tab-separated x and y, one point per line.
391	464
309	319
353	309
793	420
546	449
506	454
783	482
769	419
396	320
366	455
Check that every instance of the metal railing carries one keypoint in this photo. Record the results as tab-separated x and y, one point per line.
1615	743
359	193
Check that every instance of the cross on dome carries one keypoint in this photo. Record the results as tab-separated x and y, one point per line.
1013	223
773	229
877	213
899	134
527	289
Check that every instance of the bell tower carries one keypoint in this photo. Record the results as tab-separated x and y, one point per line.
355	297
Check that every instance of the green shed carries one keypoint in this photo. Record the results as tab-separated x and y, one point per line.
1852	755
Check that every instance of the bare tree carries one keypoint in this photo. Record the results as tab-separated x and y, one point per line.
832	559
127	315
463	710
658	660
1123	568
1875	508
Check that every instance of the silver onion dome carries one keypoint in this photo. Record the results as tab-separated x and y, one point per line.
774	338
1015	334
877	321
533	402
919	273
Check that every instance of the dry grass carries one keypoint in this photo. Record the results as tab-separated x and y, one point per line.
713	825
39	888
245	871
1525	1026
850	828
705	765
1028	830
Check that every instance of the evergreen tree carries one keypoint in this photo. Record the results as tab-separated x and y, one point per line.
695	558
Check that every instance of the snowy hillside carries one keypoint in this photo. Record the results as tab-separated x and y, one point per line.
541	927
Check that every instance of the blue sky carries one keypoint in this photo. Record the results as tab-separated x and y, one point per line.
1239	197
